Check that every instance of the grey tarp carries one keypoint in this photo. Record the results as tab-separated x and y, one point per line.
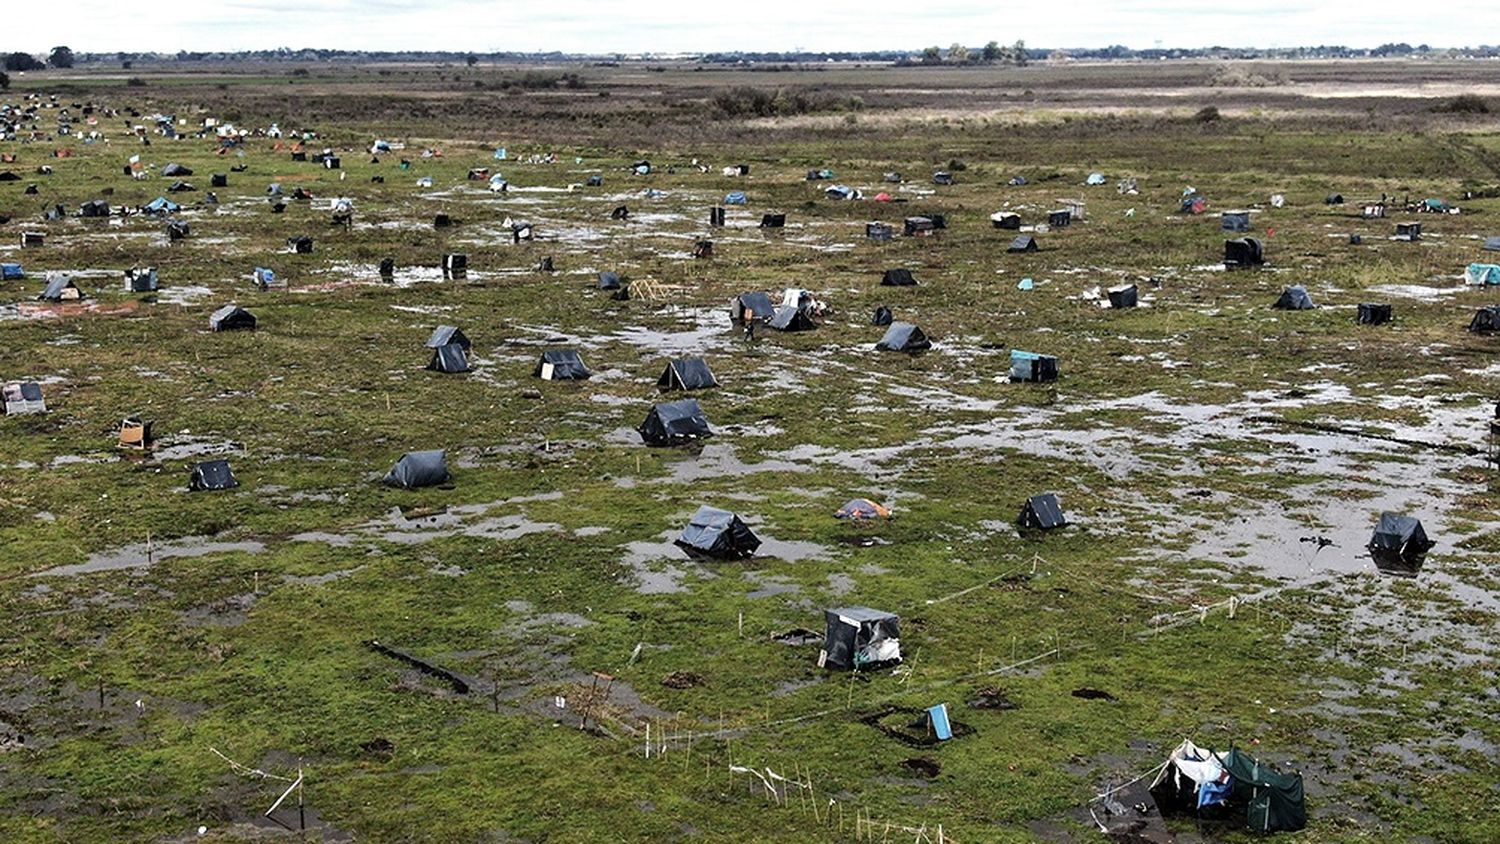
751	306
788	318
418	469
903	337
446	334
1294	298
673	422
717	533
687	374
1022	243
231	318
59	288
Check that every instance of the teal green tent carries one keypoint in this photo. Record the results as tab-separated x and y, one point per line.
1482	274
1228	786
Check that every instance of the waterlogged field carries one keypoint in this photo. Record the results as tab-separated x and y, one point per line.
1222	463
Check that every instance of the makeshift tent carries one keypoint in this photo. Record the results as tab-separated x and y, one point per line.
882	316
942	177
674	422
1022	243
773	221
561	365
1243	252
1123	296
1373	314
1032	367
32	239
176	170
1235	221
879	231
23	397
11	271
161	205
140	279
210	475
857	638
302	245
181	187
842	192
789	318
901	277
594	182
609	280
817	175
716	216
1294	298
903	337
703	249
1492	244
218	180
920	226
455	265
1005	220
1334	199
231	318
1094	179
1193	204
61	288
687	374
1408	231
177	229
1399	536
1486	320
717	533
1482	274
736	197
621	212
641	168
135	433
264	277
751	306
1042	512
1058	219
445	335
94	208
1211	784
418	469
857	509
449	357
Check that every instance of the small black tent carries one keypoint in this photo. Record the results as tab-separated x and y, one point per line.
751	306
857	638
1235	221
1005	220
1042	512
1243	252
446	334
687	374
879	231
1294	298
140	279
449	357
176	170
418	469
1399	536
1032	367
882	316
1410	232
1486	320
1374	314
1022	243
674	422
1059	219
212	474
789	318
903	337
561	365
302	245
1124	296
773	221
60	288
94	208
609	280
900	277
1334	199
717	533
231	318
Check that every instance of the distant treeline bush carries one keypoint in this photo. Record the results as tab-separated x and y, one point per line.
536	80
747	101
1464	104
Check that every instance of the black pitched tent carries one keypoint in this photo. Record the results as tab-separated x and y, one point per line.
561	365
1399	536
751	306
1124	296
210	475
901	277
61	288
446	334
1486	320
772	221
449	357
687	374
1334	199
674	423
419	469
1005	220
1235	221
175	169
231	318
1022	243
903	337
1373	314
609	280
94	208
882	316
1031	367
717	533
1243	252
1059	219
1410	232
140	279
1294	298
879	231
857	638
789	318
1042	512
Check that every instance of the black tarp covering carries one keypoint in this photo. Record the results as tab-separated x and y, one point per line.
1294	298
687	374
211	475
561	365
449	357
419	469
1042	512
231	318
673	422
446	334
717	533
852	631
903	337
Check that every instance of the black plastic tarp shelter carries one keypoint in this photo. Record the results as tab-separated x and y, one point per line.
444	335
60	288
1486	320
900	277
882	316
687	374
751	306
210	475
94	208
561	365
231	318
418	469
1399	536
859	637
1042	512
1294	298
140	279
717	533
1022	243
449	357
772	221
1374	314
674	422
1032	367
903	337
175	169
1492	244
609	280
1235	221
1243	252
1124	296
789	318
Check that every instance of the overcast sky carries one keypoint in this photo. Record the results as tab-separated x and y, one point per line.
677	26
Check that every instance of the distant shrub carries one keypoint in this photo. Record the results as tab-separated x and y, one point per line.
1464	104
1207	114
1240	76
957	166
301	71
748	101
535	80
135	82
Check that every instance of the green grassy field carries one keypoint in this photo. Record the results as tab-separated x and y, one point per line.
148	627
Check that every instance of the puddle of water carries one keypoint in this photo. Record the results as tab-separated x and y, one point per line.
142	555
